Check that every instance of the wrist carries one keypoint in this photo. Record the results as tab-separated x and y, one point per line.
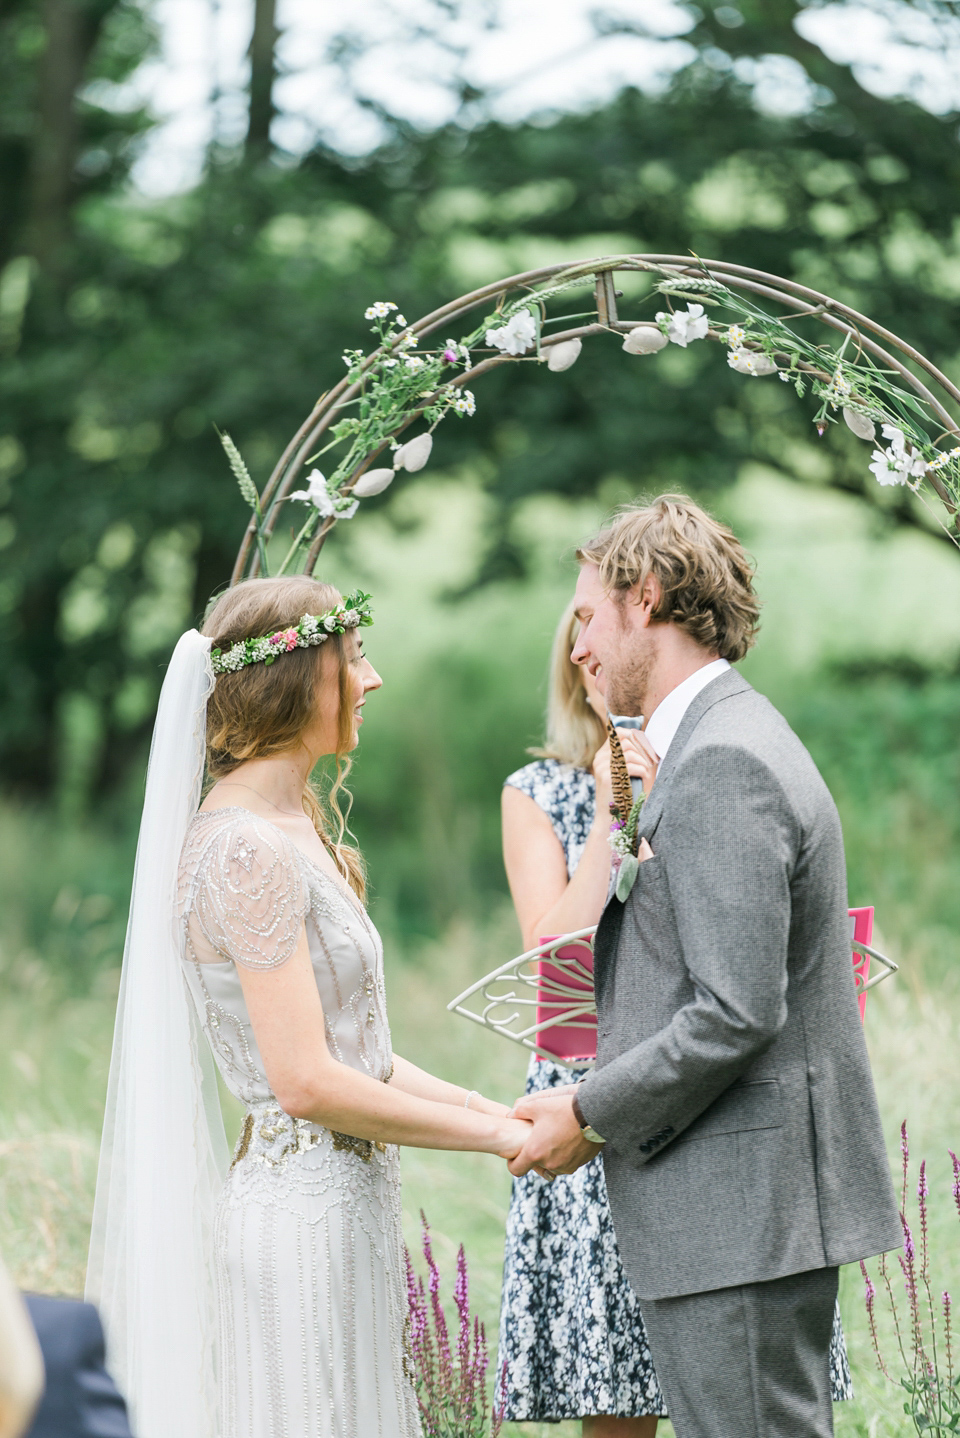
586	1128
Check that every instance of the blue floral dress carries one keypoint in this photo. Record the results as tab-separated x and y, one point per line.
571	1332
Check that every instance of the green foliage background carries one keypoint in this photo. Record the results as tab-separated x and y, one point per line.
129	328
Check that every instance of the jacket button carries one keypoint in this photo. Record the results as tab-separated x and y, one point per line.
645	1148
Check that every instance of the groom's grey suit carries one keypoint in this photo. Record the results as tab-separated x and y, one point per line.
744	1156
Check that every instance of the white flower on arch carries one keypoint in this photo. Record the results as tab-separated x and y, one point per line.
685	325
516	336
895	464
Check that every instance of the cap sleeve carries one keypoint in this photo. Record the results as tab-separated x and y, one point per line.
538	781
249	895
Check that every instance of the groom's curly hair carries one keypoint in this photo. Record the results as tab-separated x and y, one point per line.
705	576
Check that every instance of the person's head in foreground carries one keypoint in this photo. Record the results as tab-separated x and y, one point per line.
664	585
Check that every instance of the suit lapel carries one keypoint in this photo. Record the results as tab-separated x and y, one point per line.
608	930
723	687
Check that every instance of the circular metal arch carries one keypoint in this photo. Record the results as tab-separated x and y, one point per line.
932	386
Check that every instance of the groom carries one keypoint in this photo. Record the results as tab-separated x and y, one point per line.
732	1093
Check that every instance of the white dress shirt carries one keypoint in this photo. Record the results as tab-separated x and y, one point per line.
665	719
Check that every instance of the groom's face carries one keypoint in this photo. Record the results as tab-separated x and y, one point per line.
615	643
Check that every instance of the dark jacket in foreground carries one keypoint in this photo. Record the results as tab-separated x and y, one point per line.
732	1080
81	1399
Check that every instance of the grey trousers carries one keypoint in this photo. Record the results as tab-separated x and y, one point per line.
747	1362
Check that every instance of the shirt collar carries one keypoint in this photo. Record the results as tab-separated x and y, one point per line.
665	719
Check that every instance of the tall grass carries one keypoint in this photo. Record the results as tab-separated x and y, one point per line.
53	1058
863	666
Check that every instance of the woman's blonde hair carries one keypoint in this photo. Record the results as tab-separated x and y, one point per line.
574	731
263	709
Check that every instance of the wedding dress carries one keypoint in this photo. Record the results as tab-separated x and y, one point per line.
308	1248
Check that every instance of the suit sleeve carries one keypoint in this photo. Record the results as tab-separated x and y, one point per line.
728	845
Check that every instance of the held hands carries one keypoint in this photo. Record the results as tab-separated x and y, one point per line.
554	1144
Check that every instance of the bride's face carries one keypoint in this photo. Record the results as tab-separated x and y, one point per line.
322	735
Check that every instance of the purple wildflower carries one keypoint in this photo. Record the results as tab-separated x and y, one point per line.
451	1392
956	1178
905	1155
869	1296
923	1191
948	1334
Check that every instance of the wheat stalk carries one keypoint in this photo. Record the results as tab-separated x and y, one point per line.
249	491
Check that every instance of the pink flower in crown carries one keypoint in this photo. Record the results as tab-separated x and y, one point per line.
291	636
277	639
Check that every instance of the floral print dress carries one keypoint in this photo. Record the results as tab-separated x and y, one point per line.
571	1333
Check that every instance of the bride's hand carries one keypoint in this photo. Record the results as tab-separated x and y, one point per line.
479	1104
512	1137
545	1093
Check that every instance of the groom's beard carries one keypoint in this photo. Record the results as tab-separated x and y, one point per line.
628	684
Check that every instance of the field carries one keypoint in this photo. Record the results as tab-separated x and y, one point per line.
864	669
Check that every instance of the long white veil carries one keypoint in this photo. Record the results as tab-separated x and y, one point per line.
164	1154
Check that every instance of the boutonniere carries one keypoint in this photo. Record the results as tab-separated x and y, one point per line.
623	842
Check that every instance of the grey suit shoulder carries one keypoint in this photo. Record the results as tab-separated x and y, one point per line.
732	1080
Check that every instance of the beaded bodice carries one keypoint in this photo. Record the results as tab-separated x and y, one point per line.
245	892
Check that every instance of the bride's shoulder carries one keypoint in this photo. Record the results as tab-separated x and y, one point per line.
236	847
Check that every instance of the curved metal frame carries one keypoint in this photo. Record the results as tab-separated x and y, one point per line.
520	985
802	301
502	996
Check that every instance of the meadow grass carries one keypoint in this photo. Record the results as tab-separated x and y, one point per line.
865	671
54	1052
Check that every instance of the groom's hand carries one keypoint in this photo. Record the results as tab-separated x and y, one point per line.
556	1144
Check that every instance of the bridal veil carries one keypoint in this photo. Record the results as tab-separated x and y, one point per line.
163	1155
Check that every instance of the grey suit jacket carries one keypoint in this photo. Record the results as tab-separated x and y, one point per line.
732	1080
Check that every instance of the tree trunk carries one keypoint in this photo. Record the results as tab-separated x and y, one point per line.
71	29
262	75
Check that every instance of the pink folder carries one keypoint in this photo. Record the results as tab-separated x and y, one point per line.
861	929
577	1040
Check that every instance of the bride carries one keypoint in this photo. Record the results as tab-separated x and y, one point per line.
267	1301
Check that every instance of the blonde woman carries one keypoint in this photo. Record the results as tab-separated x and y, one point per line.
279	1283
571	1332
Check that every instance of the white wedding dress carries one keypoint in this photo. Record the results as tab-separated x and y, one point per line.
309	1255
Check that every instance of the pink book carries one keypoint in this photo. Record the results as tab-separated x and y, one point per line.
559	991
861	930
563	987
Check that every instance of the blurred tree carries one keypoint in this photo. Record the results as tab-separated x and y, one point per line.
263	68
138	325
61	133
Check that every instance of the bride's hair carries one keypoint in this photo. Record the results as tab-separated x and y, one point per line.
574	731
264	708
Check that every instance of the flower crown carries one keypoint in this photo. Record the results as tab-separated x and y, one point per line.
351	613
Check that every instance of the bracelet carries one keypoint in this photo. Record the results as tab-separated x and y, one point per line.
474	1093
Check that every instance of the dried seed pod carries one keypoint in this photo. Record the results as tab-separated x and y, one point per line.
644	340
563	355
862	427
373	482
414	454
